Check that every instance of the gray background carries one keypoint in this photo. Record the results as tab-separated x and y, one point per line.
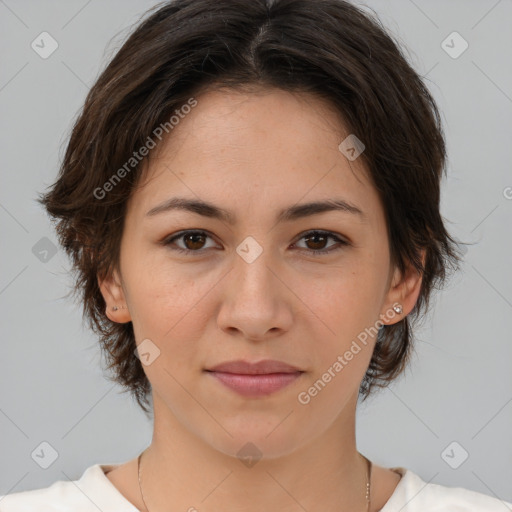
459	386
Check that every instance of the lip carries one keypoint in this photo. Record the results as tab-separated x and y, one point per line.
263	367
254	379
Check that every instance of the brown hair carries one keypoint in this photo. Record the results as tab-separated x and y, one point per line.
329	48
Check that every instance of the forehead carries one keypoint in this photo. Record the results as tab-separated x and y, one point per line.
248	148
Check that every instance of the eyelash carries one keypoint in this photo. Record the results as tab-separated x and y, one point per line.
321	252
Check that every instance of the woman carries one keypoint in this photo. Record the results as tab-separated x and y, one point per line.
251	201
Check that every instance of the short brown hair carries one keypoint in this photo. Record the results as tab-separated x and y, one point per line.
329	48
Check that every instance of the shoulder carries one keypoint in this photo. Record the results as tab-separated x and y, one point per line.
413	494
49	499
90	493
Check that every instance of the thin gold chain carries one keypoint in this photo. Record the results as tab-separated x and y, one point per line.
368	481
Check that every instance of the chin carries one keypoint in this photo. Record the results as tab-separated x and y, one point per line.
256	438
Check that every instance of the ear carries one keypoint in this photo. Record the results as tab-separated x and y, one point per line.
114	296
404	290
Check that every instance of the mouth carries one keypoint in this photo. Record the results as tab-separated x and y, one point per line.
255	379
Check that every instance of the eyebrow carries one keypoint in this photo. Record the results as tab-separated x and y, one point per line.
291	213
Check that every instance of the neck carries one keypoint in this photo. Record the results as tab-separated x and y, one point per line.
181	469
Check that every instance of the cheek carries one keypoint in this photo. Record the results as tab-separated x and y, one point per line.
171	307
344	302
341	353
345	309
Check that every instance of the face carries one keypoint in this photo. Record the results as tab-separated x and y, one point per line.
306	288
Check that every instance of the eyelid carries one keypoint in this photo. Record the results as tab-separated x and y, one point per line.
168	240
340	240
325	232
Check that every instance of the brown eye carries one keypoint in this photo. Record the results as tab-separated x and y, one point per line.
192	241
316	242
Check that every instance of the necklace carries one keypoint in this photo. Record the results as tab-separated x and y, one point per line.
368	479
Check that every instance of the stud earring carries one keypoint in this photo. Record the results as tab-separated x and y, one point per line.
398	309
115	308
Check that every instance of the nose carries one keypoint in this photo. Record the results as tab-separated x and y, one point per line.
256	303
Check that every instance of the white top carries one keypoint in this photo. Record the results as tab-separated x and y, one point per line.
94	492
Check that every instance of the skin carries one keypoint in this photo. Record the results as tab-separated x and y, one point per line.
203	309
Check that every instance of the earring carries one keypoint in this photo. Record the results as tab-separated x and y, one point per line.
115	308
398	309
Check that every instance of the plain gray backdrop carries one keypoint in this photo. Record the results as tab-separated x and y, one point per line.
453	407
